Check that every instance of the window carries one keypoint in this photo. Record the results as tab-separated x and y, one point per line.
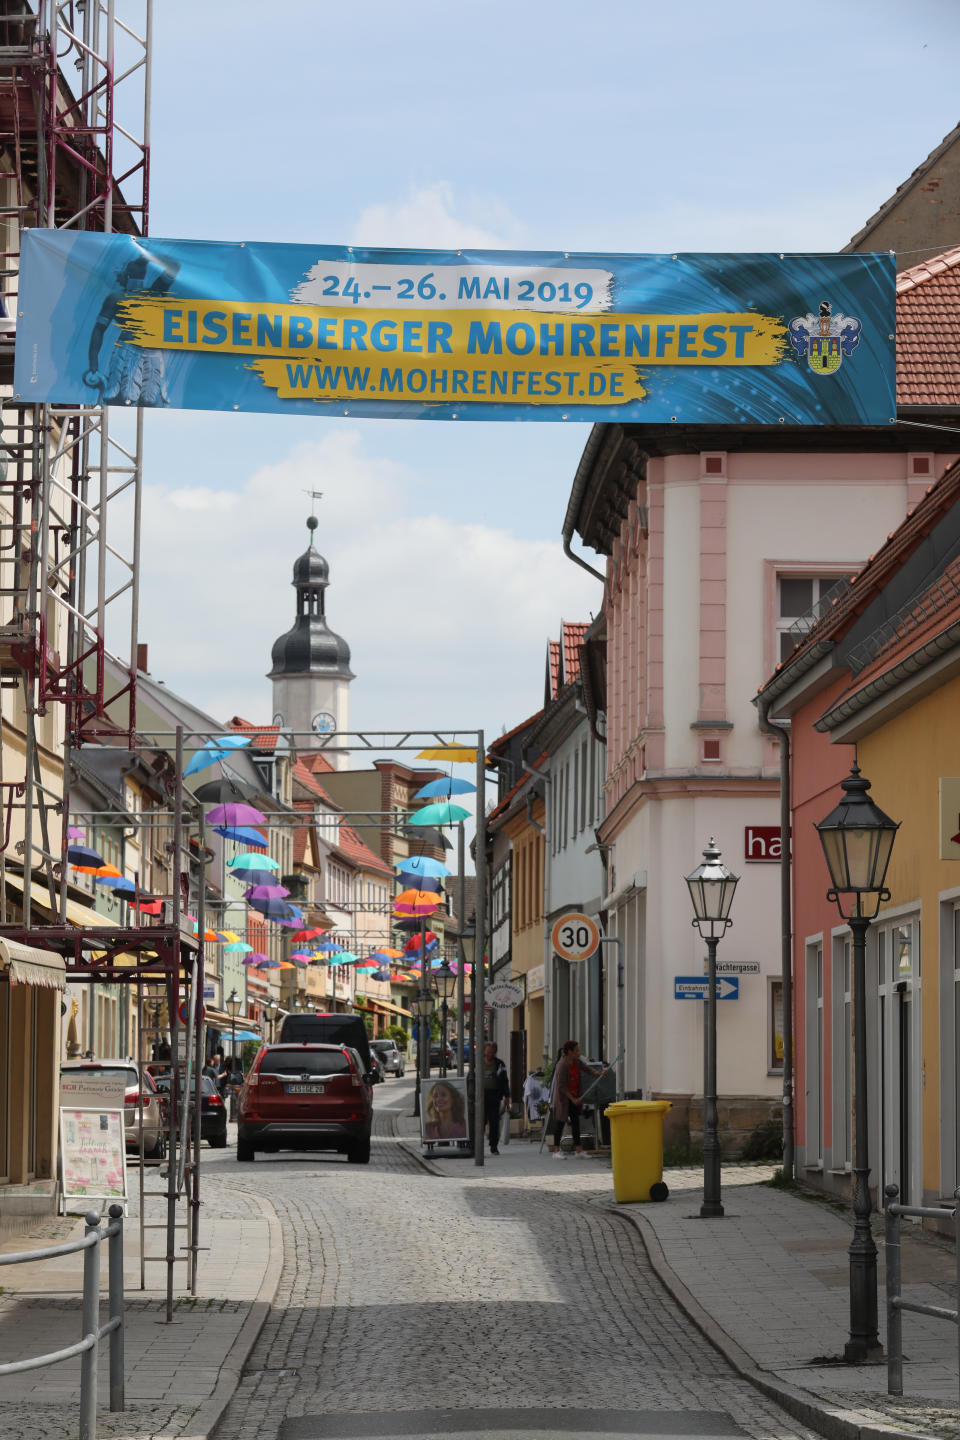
814	1065
796	597
775	1028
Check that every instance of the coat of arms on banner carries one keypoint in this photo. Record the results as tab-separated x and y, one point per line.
824	339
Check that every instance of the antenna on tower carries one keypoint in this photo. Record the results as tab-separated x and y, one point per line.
313	522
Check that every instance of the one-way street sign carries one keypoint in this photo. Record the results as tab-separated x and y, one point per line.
694	987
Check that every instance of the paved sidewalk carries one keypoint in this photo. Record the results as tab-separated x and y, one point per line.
768	1284
179	1377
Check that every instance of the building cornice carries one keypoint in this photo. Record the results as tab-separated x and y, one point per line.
686	786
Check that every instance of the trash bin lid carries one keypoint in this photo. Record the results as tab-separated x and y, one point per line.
638	1107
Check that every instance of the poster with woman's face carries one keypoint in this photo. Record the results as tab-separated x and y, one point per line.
443	1110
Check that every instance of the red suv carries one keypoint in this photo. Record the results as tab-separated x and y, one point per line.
306	1097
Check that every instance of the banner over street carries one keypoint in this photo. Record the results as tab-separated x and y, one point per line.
456	335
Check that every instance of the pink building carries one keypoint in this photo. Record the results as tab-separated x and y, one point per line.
721	548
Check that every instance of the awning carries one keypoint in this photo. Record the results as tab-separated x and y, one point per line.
28	966
371	1002
83	916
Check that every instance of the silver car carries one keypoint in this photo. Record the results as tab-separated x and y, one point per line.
154	1136
389	1055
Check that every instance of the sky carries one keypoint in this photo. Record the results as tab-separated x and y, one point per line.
619	126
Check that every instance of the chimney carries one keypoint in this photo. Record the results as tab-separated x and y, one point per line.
142	659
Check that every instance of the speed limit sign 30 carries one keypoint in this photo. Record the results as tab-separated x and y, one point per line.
575	936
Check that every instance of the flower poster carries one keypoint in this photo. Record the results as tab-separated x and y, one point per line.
94	1154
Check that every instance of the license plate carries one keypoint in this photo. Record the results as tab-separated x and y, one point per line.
305	1089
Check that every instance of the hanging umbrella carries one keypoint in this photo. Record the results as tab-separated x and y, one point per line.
243	835
254	877
116	882
230	936
456	753
309	934
442	813
414	942
210	937
238	947
81	857
147	905
257	862
415	903
271	909
236	814
260	962
446	787
284	965
75	833
329	947
431	835
225	791
422	866
300	957
105	870
210	754
266	892
381	975
346	957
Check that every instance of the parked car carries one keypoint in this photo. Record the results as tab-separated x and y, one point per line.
436	1056
213	1114
378	1071
306	1097
338	1028
154	1136
389	1055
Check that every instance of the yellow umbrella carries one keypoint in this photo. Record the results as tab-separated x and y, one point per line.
463	753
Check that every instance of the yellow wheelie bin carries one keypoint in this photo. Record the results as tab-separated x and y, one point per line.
636	1139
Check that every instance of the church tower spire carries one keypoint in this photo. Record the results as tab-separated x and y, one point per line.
311	664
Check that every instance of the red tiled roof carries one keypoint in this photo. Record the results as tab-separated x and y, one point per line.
553	661
264	736
302	774
360	853
928	317
572	637
501	740
315	761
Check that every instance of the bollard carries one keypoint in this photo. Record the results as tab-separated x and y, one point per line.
91	1326
894	1313
115	1271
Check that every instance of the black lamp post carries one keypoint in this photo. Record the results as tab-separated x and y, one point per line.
857	839
421	1007
444	984
711	889
233	1004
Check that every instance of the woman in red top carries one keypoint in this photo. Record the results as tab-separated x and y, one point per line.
567	1090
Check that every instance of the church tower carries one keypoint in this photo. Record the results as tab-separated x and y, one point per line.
311	665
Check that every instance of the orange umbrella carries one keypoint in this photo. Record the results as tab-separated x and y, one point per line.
100	870
416	909
417	897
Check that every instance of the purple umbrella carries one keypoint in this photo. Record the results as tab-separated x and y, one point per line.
256	960
236	814
266	892
75	833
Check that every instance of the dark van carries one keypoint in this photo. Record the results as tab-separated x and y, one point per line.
328	1030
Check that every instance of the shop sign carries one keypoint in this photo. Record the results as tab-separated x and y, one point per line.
761	842
688	339
535	979
93	1151
503	995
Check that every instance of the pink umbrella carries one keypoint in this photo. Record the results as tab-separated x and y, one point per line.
75	833
235	814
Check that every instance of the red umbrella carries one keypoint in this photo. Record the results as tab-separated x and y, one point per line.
414	942
305	934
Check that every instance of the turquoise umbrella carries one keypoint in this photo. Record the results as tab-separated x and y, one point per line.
217	751
423	866
440	814
446	787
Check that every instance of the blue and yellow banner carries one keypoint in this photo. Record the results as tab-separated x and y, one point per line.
471	335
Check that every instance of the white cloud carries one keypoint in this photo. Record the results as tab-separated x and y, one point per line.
447	621
432	217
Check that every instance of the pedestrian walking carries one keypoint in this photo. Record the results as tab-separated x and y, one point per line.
496	1093
566	1092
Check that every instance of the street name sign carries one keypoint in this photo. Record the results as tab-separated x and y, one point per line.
736	967
694	987
575	936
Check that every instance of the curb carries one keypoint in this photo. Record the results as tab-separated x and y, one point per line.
207	1416
420	1158
831	1421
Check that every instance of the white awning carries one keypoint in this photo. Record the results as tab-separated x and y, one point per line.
29	966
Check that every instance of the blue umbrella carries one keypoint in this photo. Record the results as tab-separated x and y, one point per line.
411	881
242	834
442	813
421	866
115	882
212	753
328	948
253	877
272	909
444	788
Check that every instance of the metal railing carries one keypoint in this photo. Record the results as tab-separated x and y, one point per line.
92	1332
895	1301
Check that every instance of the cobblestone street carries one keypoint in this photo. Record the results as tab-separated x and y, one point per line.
402	1292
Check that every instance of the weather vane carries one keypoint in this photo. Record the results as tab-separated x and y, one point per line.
313	522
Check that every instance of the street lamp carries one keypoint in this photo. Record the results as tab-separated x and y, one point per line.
421	1006
233	1004
711	889
444	984
857	839
270	1008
